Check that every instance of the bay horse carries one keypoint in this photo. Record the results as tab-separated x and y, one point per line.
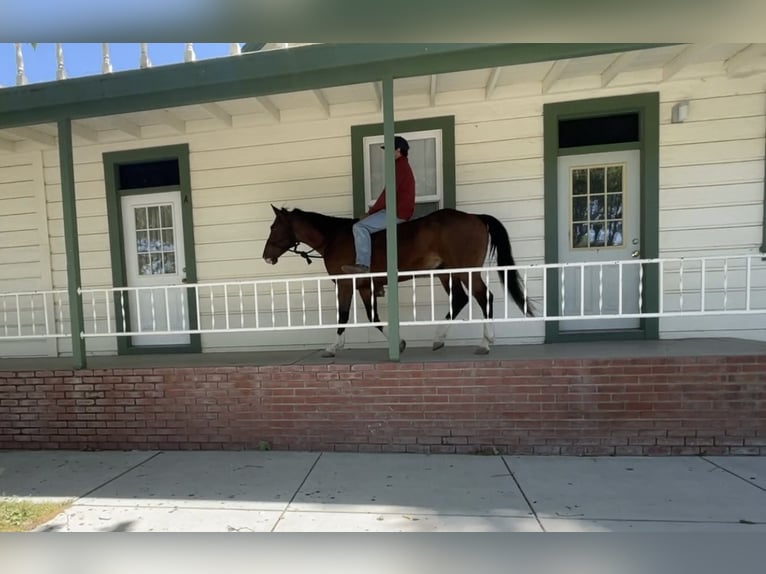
444	239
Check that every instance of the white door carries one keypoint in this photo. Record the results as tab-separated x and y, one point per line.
599	220
154	257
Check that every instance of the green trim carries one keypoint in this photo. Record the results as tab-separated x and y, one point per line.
763	232
71	240
599	335
444	123
112	160
264	73
392	249
647	106
145	190
252	46
586	149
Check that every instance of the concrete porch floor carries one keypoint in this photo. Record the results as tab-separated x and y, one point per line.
596	350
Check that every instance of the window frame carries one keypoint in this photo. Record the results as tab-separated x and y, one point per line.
362	135
371	195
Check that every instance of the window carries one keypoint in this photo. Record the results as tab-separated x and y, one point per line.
431	156
597	200
148	174
602	130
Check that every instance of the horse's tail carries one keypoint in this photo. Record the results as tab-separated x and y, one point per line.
501	243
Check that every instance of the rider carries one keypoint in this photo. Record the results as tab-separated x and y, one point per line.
375	219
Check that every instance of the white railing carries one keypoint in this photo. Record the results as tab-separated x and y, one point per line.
592	291
34	315
143	58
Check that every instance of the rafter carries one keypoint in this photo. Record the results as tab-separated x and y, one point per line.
84	132
489	89
322	101
685	57
126	126
34	135
171	120
378	94
270	108
432	90
553	75
618	65
744	57
219	113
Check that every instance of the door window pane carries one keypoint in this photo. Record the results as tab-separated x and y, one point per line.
596	197
166	216
141	220
155	240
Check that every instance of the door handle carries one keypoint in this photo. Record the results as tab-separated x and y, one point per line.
636	254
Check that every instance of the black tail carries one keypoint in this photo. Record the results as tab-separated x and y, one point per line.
500	242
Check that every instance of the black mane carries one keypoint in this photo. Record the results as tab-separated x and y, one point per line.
327	225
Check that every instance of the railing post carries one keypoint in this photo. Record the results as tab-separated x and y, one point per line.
189	55
21	77
60	71
143	59
106	61
392	266
69	202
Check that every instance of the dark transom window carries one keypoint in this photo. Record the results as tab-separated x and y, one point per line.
159	173
598	131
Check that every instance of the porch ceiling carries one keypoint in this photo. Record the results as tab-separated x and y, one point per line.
666	63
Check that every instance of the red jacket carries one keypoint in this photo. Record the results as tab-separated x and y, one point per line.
405	191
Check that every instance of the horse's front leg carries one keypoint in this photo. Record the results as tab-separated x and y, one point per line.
345	294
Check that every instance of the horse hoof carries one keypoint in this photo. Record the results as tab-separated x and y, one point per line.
402	345
327	354
438	345
481	351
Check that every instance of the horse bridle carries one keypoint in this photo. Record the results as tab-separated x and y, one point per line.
307	255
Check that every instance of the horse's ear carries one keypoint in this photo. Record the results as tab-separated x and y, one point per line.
276	211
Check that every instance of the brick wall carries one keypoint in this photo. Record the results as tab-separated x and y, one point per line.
661	406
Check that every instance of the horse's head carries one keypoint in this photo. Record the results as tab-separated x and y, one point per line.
281	238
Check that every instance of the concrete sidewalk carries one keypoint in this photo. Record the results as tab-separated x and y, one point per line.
303	491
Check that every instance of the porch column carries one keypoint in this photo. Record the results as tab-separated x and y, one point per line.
392	266
763	231
72	243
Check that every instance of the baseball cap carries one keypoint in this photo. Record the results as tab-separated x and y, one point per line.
399	143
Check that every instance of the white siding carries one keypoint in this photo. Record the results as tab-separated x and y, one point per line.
25	262
711	193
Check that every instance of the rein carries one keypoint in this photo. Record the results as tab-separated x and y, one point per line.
307	255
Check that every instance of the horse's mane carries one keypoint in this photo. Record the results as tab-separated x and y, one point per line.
327	225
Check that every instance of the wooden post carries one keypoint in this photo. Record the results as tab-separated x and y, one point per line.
66	162
392	260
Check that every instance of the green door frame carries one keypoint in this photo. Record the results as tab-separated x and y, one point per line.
112	161
647	106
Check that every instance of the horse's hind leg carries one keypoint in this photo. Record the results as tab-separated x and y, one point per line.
485	299
459	299
371	307
344	303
